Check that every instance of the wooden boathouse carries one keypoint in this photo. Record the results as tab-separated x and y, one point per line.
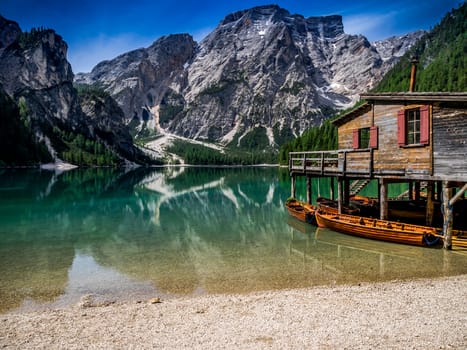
419	138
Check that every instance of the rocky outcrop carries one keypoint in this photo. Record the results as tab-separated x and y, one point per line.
34	71
261	72
139	79
393	48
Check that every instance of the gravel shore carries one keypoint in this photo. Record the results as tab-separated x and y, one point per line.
418	314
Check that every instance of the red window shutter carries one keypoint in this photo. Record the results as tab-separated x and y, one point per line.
374	137
355	139
425	125
401	128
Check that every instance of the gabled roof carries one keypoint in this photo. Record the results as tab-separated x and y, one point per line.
366	107
403	98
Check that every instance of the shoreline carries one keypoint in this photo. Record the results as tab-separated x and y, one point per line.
417	314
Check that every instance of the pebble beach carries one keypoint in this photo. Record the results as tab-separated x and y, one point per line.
415	314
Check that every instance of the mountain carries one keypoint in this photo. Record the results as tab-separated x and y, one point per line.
260	78
442	59
41	105
441	67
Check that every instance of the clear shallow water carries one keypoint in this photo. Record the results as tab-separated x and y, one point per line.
177	231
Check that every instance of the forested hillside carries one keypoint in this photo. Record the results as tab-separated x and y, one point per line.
323	137
442	56
18	145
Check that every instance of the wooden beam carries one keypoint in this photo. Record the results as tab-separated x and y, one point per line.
458	195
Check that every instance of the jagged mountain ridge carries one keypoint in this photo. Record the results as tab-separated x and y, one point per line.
261	71
35	73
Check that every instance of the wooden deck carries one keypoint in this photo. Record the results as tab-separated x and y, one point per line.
344	162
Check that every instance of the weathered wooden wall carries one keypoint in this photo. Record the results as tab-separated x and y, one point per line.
450	143
389	157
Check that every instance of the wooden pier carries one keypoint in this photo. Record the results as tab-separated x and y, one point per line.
414	138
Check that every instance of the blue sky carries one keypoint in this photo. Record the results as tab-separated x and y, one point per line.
98	30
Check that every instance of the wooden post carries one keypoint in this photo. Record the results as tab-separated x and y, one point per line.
292	186
410	190
308	189
447	216
383	199
430	204
417	190
331	189
346	191
458	195
339	194
439	190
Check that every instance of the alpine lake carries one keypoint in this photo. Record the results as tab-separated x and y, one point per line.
178	231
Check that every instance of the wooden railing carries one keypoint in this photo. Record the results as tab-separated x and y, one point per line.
345	162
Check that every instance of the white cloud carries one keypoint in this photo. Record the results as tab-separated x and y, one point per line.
372	26
85	55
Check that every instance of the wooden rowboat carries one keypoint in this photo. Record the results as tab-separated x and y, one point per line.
459	239
330	206
302	211
306	212
384	230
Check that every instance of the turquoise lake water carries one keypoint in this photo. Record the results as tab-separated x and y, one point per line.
173	232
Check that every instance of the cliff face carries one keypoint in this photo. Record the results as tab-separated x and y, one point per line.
139	79
34	71
261	71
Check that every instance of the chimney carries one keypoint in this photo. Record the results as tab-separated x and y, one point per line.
413	73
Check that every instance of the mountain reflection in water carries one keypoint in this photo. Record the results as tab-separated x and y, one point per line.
177	231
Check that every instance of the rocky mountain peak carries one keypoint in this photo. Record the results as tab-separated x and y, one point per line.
9	32
35	72
326	26
261	74
256	13
394	47
37	60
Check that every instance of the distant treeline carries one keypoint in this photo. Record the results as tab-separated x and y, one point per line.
201	155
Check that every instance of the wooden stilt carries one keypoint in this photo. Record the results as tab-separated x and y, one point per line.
339	195
308	189
383	199
331	189
346	192
417	190
292	186
410	190
447	216
430	204
439	190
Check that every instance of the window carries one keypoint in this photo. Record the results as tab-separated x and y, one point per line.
413	126
365	138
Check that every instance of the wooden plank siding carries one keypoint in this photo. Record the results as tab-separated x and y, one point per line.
440	153
389	158
450	143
